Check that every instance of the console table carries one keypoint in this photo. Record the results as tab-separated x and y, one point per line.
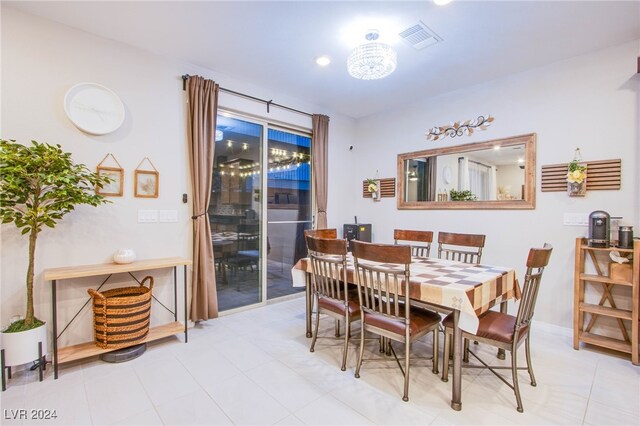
88	349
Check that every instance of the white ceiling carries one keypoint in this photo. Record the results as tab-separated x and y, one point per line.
273	44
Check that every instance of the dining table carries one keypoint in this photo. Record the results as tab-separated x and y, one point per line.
467	290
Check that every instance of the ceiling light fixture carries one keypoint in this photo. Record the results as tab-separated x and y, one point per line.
323	60
441	2
373	60
219	135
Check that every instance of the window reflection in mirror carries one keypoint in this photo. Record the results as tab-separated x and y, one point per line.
497	174
490	175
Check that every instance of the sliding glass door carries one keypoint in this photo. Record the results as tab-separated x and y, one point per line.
235	211
288	206
246	245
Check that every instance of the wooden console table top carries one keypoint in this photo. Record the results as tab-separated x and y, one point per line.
112	268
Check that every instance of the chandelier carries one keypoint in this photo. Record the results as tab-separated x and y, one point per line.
373	60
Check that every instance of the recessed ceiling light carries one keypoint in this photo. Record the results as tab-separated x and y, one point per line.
441	2
496	147
323	60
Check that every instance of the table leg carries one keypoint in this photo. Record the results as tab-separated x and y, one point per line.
186	334
456	397
4	382
175	293
503	309
55	328
307	290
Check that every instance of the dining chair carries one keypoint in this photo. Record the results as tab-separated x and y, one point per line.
247	252
332	297
506	331
382	275
450	245
424	238
466	248
322	233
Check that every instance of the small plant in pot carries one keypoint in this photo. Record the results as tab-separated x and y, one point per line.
39	184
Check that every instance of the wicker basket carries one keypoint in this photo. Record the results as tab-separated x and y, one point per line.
121	316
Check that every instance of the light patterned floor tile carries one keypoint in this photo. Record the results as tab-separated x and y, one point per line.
193	409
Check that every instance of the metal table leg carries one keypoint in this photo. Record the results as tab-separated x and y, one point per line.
175	293
503	309
55	328
456	397
186	334
4	381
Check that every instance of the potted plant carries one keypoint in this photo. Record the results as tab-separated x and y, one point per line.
372	188
462	195
39	184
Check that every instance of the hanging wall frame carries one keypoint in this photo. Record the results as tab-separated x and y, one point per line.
116	174
146	181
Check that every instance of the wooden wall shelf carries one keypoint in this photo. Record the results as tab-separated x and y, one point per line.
387	188
601	175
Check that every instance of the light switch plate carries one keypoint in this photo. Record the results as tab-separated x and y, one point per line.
576	219
167	216
147	216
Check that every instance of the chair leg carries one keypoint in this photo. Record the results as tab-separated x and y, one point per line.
529	366
337	328
345	349
514	374
435	351
360	352
315	333
382	343
407	349
445	357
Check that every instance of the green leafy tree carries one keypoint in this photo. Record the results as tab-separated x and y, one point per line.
39	184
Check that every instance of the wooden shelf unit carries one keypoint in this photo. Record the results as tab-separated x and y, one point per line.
583	332
89	349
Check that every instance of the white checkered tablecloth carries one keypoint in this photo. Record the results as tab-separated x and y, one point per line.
472	289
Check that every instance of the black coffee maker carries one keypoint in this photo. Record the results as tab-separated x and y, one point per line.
599	229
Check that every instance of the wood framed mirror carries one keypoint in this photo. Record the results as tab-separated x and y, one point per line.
496	174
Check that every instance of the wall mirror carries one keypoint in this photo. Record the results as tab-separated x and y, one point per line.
497	174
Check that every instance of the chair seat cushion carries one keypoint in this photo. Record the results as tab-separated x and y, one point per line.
420	320
337	305
494	325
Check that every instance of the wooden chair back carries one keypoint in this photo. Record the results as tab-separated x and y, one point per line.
329	267
423	237
448	239
382	275
536	262
322	233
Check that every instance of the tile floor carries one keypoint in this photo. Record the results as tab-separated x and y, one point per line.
255	367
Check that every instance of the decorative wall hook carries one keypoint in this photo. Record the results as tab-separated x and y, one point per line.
459	129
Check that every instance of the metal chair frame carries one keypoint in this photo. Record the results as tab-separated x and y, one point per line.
448	239
328	259
536	262
418	250
384	292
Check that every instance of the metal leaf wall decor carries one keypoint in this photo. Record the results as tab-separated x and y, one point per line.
459	129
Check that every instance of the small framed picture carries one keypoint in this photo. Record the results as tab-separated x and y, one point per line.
115	187
146	183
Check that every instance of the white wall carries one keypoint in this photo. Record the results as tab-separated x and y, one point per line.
589	102
41	60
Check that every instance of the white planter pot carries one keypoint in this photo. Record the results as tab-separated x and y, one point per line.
22	347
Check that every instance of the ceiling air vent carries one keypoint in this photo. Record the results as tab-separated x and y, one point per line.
420	36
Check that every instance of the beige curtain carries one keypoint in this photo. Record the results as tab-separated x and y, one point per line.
319	157
203	108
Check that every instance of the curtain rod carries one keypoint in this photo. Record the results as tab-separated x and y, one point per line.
269	103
